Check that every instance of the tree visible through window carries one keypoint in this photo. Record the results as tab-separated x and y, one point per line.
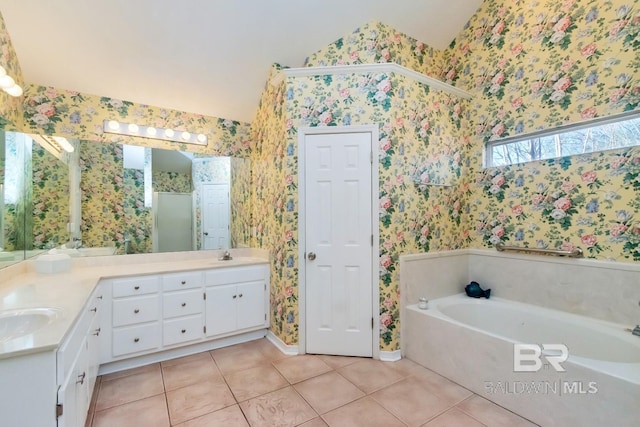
599	135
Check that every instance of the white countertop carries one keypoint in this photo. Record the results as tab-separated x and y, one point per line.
70	291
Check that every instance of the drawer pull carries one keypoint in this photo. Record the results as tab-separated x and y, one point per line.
184	282
235	296
184	304
97	332
240	295
99	297
183	331
136	311
81	378
136	339
136	288
94	309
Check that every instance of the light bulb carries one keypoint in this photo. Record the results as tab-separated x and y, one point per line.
6	82
151	131
186	136
114	125
169	133
14	90
202	138
133	128
64	143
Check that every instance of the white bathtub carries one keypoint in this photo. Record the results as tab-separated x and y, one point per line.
471	341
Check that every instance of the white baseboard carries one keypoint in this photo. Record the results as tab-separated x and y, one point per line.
135	362
390	356
290	350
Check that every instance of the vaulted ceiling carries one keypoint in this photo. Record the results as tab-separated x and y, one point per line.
202	56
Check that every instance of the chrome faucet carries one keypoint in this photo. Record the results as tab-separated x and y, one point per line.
77	243
636	330
226	256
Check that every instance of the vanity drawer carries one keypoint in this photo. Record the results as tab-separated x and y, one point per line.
226	276
71	346
184	329
179	281
135	286
182	303
136	339
129	311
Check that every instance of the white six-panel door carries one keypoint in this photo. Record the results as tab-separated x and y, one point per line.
338	236
215	216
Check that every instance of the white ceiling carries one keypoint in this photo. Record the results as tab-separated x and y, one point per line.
203	56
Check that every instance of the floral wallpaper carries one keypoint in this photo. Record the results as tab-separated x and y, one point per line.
172	182
536	65
215	170
78	115
529	64
273	202
376	42
420	142
240	170
138	219
102	186
50	199
10	106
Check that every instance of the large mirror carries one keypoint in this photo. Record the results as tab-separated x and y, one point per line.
141	200
103	199
34	195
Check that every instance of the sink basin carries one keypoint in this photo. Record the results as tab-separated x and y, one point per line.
17	323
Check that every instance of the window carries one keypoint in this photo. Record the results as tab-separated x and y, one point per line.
596	135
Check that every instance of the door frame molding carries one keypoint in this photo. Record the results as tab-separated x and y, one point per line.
375	229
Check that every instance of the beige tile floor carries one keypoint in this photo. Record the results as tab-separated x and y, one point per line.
254	384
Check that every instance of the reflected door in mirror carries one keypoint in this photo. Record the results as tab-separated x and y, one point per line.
215	216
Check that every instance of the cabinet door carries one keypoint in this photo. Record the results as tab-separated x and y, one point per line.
67	398
73	393
250	305
93	353
221	309
83	394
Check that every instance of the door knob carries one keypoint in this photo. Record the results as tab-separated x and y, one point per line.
311	256
206	234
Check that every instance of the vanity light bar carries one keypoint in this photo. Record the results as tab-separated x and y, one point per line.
8	84
132	129
54	144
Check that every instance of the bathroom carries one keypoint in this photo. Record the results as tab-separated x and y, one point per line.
506	58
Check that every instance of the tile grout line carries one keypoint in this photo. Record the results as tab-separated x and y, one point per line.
229	387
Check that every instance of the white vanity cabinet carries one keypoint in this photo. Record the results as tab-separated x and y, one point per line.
132	315
236	299
77	362
166	312
182	308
